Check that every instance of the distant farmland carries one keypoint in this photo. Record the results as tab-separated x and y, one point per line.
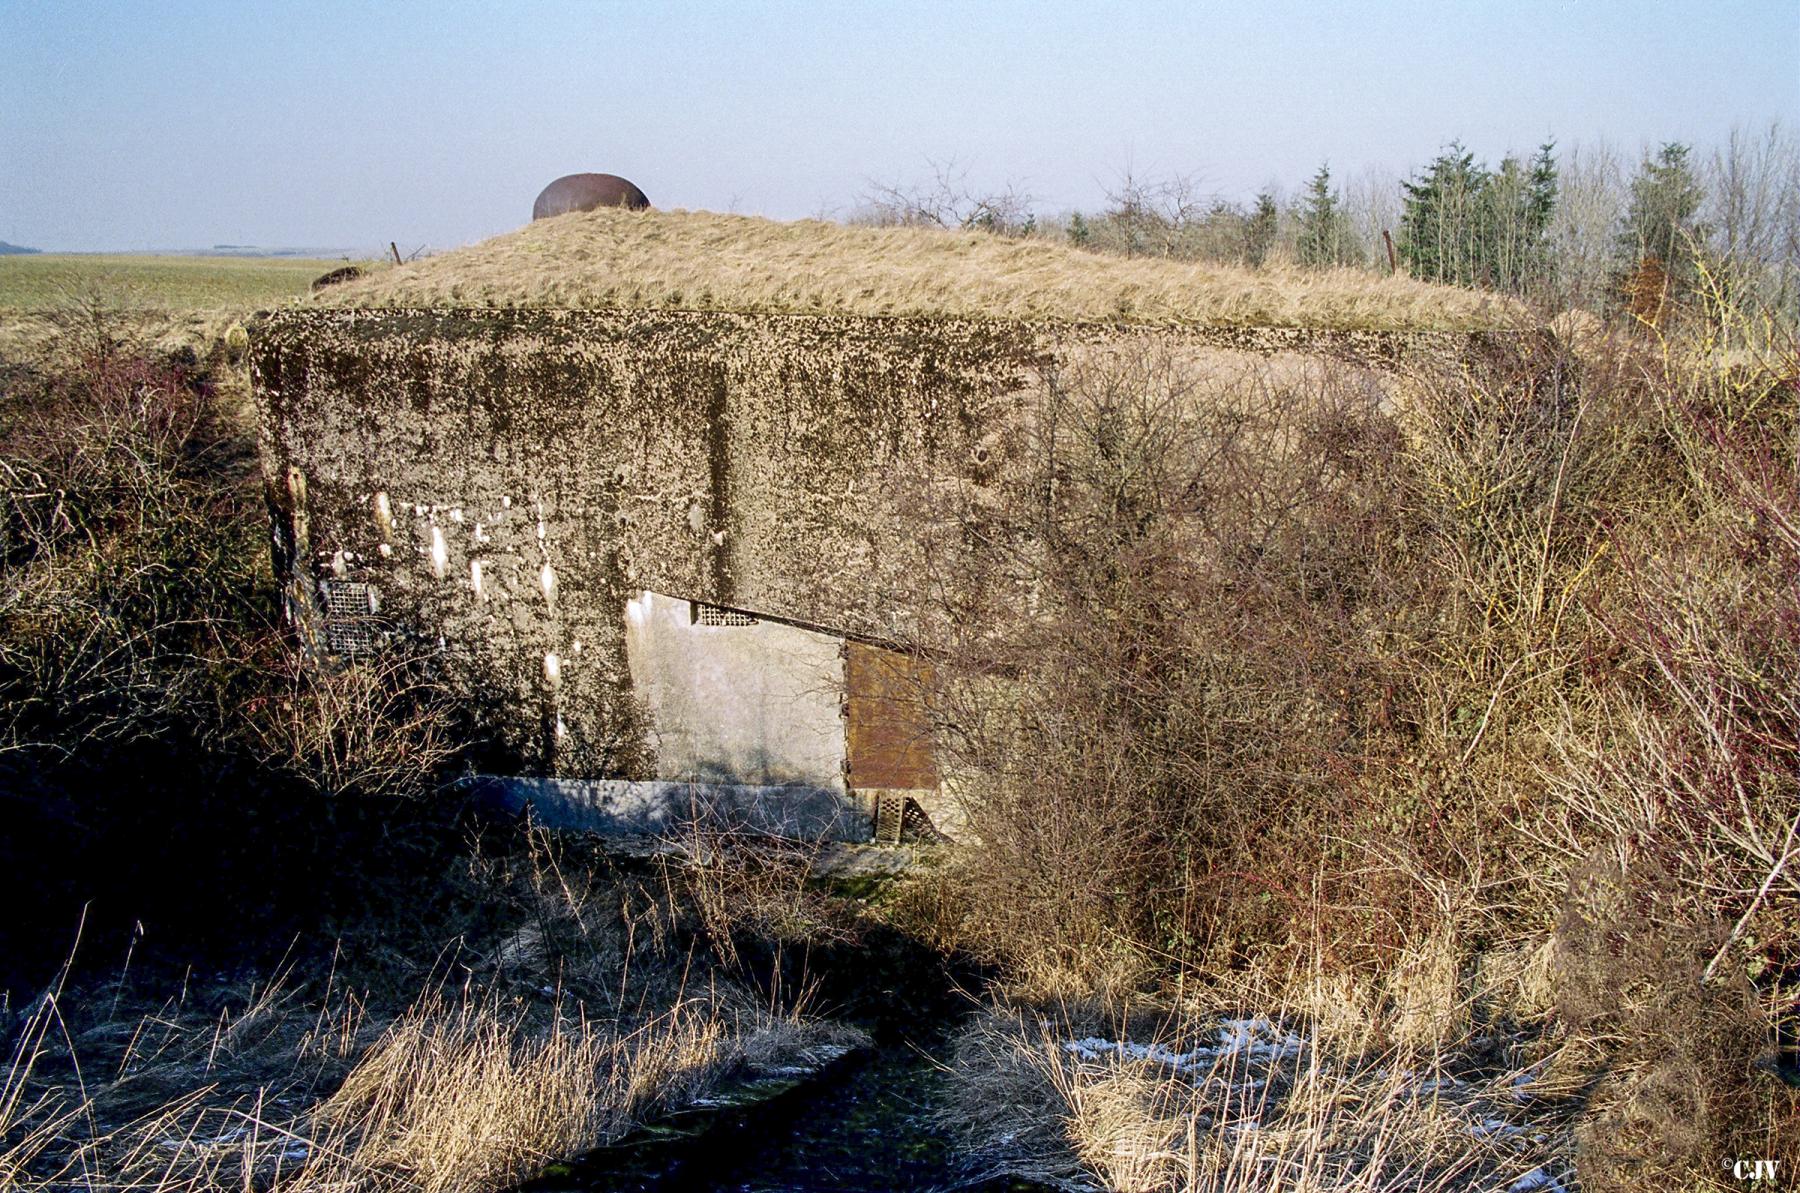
44	281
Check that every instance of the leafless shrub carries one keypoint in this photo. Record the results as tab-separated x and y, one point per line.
133	601
381	727
127	590
740	885
1372	206
1176	218
1668	1048
1309	673
1591	200
1678	807
948	200
1126	742
100	321
1151	217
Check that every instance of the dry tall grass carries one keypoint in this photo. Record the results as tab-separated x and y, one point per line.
1253	1104
456	1095
703	261
455	1098
595	1013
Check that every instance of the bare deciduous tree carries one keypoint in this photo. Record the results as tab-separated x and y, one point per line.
1753	212
1372	206
1590	204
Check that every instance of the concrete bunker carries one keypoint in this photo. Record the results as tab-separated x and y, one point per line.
685	565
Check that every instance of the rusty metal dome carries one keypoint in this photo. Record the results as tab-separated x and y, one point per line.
584	192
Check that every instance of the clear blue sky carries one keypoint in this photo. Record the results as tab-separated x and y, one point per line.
185	124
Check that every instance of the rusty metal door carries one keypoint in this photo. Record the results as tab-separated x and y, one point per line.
889	744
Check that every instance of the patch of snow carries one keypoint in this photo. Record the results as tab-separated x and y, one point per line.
1094	1048
1254	1039
1520	1083
1538	1180
1260	1038
826	1053
1492	1128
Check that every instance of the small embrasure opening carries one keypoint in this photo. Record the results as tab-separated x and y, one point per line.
704	614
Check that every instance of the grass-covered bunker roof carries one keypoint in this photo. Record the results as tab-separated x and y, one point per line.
680	260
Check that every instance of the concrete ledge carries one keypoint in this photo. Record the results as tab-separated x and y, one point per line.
655	807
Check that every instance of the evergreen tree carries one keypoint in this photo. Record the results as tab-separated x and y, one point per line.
1660	223
1541	189
1324	228
1512	251
1441	229
1659	236
1467	225
1260	229
1543	186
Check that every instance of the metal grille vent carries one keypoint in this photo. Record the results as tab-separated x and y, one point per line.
351	628
901	819
718	615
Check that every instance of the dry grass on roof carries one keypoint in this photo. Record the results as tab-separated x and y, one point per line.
682	260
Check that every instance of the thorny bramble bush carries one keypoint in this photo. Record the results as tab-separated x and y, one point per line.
1501	661
162	752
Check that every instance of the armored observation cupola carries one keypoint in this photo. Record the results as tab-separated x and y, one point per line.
585	192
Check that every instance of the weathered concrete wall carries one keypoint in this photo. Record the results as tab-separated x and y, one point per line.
757	704
504	482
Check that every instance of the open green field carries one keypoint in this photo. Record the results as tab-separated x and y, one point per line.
38	282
